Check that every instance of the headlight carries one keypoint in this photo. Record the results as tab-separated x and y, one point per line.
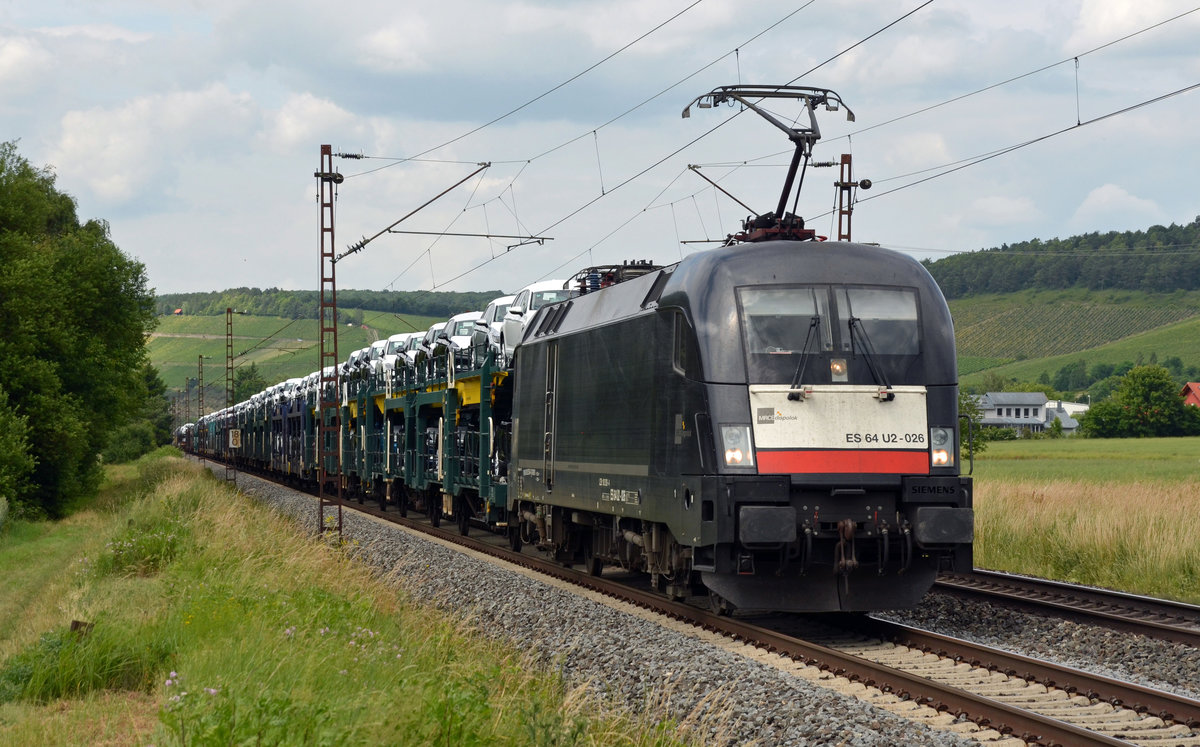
837	370
735	439
941	447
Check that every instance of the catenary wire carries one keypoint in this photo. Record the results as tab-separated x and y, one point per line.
542	95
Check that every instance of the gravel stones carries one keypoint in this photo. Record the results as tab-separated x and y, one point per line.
1171	667
622	658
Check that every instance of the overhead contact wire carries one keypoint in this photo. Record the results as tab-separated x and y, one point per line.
540	96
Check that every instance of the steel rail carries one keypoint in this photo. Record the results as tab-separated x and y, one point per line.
1167	706
1163	619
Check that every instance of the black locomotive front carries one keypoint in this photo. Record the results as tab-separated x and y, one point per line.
776	419
832	388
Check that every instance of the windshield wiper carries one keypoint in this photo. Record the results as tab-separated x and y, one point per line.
814	325
859	332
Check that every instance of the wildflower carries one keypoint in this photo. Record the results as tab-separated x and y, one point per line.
169	683
211	690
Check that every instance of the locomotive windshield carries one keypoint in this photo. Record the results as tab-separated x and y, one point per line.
777	320
780	324
888	317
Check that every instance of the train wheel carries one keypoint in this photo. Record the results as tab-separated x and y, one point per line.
464	516
402	501
435	512
719	604
514	537
592	565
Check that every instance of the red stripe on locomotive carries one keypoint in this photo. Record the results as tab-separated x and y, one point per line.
850	461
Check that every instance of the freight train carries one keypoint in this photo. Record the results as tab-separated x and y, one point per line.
772	422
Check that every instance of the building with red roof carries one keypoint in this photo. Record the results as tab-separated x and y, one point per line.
1191	393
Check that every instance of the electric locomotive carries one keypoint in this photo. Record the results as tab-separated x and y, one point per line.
775	419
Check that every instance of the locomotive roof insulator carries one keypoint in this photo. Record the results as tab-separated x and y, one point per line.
592	279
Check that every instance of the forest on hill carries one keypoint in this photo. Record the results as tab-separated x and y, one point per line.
1160	259
293	304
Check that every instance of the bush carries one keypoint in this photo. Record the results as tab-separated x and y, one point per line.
66	663
130	442
993	433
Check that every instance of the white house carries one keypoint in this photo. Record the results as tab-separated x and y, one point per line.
1027	411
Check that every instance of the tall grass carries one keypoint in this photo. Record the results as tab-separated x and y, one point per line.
67	663
242	630
1118	513
1138	536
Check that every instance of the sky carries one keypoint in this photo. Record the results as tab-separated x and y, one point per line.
194	127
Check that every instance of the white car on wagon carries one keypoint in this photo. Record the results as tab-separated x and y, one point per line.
528	300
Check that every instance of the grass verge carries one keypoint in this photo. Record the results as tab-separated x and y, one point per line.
1117	513
209	619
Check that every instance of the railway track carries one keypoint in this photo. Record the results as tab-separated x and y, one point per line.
982	692
1131	613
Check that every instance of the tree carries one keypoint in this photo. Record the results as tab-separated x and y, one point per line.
150	427
1071	377
76	313
247	381
16	463
975	441
1101	371
1146	403
1056	429
1104	388
994	382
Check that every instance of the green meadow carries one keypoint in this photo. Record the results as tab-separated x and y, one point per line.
1117	513
205	618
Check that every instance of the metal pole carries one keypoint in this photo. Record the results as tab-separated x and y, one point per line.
232	434
328	455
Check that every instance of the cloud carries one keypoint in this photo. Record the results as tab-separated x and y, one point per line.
302	120
1111	208
1002	210
104	32
917	150
22	59
1101	21
194	127
124	152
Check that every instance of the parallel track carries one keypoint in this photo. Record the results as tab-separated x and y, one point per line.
1035	701
1156	618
